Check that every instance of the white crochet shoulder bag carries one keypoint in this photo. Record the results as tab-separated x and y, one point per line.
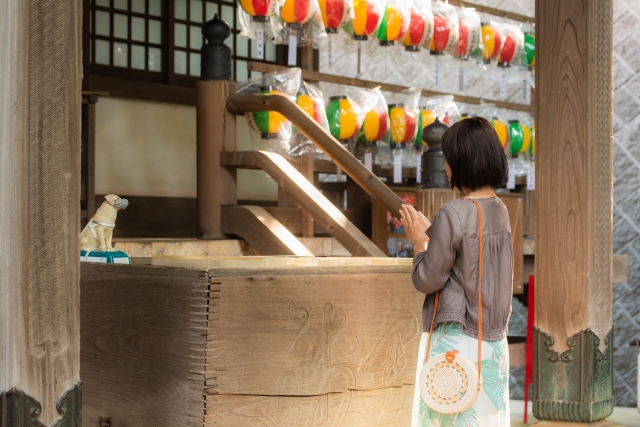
450	382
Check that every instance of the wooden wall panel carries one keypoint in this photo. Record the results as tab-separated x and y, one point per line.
306	335
142	345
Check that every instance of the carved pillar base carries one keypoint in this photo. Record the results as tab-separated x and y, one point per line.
577	385
18	409
601	423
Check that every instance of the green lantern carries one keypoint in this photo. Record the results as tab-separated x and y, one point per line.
529	52
516	137
268	123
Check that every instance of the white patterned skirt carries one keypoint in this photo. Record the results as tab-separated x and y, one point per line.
492	407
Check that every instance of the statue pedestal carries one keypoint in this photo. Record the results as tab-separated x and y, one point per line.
111	257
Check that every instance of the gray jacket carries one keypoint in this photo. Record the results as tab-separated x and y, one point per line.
450	265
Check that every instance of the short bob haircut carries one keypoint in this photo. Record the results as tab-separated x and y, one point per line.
475	155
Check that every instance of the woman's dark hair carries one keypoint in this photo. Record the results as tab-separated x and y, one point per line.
475	155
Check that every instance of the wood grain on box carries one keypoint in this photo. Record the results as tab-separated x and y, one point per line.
177	346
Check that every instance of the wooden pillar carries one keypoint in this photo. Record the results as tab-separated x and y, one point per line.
40	212
430	200
573	327
216	132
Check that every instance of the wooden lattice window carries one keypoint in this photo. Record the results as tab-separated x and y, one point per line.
160	40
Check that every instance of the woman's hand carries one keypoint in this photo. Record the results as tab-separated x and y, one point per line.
415	225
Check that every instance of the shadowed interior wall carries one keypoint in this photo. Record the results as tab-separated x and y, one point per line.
146	148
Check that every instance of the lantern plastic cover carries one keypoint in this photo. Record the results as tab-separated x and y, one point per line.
345	106
301	18
469	34
395	21
420	29
513	45
403	116
249	14
336	13
376	120
270	131
445	27
311	100
492	41
367	15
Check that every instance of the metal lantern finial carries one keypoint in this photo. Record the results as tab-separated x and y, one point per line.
216	55
433	173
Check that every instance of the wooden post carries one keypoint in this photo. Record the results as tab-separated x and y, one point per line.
430	200
216	133
573	328
306	169
40	213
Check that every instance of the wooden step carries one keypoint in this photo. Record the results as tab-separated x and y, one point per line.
308	196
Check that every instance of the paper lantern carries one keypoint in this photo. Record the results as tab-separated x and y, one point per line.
530	49
404	123
417	33
468	39
425	118
502	130
491	42
392	27
268	123
259	10
335	14
526	135
342	117
296	12
366	18
441	33
516	138
512	48
309	106
376	125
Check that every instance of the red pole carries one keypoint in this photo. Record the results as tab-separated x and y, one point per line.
528	369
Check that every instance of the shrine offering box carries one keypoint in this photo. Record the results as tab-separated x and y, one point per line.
251	341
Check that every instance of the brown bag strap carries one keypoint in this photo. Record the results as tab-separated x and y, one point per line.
435	304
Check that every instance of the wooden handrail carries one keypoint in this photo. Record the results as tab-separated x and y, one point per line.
315	76
240	104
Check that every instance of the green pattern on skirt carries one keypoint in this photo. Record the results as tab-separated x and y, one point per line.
492	407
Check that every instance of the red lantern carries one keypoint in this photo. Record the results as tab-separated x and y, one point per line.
417	33
441	31
335	14
513	47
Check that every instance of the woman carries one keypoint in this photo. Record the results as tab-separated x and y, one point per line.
446	260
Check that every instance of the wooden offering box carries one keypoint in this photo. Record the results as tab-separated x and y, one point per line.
251	341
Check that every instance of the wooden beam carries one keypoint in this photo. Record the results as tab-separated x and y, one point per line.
493	11
40	110
308	197
262	67
239	104
573	364
262	231
142	90
216	132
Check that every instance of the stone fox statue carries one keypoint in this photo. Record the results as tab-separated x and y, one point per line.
99	231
